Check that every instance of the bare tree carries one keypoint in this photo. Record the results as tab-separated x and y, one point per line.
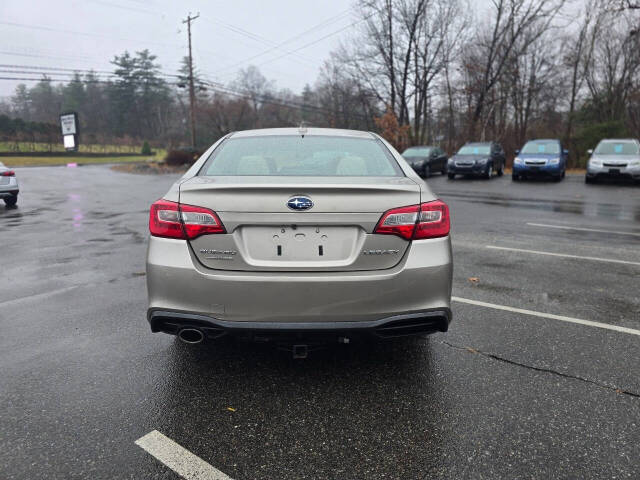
511	20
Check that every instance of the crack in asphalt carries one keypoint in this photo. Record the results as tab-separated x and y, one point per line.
540	369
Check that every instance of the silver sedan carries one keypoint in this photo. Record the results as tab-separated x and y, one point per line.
299	233
9	187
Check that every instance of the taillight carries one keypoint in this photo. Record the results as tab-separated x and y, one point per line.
428	220
8	173
173	220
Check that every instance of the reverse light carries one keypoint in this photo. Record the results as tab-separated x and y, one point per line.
8	173
172	220
428	220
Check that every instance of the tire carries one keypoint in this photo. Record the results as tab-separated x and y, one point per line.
426	172
451	175
444	170
588	180
11	201
501	171
515	178
489	173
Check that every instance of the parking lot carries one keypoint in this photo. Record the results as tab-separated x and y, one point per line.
538	376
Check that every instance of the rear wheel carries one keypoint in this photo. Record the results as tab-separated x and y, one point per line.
11	201
451	175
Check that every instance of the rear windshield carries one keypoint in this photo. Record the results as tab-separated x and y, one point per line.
542	147
291	155
475	150
617	148
416	152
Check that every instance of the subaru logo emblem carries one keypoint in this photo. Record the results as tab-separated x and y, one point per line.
299	203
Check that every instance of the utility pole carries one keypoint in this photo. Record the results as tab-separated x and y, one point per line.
192	95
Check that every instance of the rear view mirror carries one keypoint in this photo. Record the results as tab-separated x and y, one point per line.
565	151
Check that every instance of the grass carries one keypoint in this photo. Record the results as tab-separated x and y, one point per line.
35	161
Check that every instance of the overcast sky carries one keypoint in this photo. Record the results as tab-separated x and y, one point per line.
86	34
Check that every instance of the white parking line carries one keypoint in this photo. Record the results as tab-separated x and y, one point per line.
565	255
179	459
551	316
581	229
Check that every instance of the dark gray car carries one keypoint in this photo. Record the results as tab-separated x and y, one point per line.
478	158
426	160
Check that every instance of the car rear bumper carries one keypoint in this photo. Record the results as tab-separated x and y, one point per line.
420	323
177	283
10	188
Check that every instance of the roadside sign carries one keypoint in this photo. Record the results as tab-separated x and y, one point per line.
69	128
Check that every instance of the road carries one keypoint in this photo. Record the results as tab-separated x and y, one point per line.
522	385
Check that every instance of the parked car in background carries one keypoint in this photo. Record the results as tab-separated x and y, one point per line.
426	160
9	188
330	232
615	159
478	158
540	158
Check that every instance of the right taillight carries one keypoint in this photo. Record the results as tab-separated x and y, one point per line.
428	220
172	220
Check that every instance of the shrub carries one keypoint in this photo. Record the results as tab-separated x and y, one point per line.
179	157
146	148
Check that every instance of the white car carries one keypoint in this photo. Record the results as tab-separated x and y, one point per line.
8	186
614	159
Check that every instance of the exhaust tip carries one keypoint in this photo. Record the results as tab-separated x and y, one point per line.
191	335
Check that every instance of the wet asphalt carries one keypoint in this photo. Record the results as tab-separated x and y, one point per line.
501	395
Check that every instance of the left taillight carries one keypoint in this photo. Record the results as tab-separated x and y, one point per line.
172	220
8	173
427	220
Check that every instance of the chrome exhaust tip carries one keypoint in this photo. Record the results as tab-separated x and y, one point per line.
191	335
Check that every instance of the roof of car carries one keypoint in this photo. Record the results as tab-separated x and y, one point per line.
422	146
479	143
333	132
619	140
543	140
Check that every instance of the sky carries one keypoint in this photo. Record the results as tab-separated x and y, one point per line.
228	36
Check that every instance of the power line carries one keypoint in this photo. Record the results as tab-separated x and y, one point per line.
324	23
87	34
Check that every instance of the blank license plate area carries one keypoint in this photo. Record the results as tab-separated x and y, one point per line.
299	244
614	171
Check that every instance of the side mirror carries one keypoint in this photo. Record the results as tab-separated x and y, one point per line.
590	151
517	152
565	151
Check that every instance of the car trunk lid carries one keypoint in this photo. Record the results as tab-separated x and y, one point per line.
264	234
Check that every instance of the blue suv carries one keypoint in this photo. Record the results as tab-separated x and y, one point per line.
540	158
